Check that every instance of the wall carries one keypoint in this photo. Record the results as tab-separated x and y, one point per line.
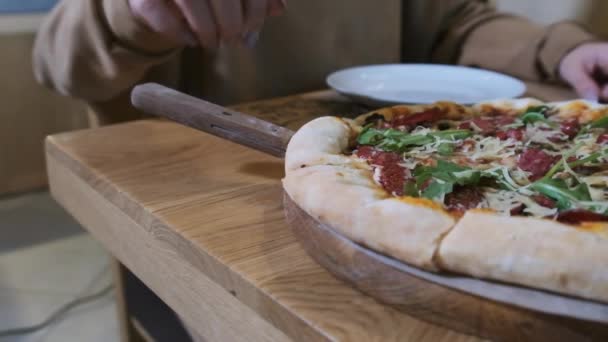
546	11
28	112
590	12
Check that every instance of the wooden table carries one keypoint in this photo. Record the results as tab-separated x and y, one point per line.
200	221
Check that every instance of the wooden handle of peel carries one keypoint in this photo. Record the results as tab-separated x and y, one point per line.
220	121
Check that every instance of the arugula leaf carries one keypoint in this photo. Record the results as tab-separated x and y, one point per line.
453	134
445	149
537	109
437	189
558	190
502	177
449	172
390	139
467	177
591	158
443	178
600	123
410	189
536	114
582	192
560	164
446	166
395	140
370	136
532	117
422	174
400	145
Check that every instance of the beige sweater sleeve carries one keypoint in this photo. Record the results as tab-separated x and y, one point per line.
96	50
476	35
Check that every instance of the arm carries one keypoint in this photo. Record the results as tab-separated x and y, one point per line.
96	49
477	35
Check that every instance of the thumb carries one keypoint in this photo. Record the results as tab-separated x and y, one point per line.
604	93
276	7
602	67
584	84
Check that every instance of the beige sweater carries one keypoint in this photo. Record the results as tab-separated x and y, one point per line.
97	51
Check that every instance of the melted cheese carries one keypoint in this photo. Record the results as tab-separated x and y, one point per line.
502	201
504	171
377	175
409	163
493	148
601	206
520	176
540	133
428	149
586	145
491	154
475	127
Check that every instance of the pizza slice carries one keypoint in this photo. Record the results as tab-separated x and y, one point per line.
512	190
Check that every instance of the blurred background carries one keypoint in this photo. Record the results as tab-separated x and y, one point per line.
45	258
29	112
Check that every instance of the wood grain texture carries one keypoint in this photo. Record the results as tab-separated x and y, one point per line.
294	111
126	329
203	304
208	117
426	300
214	209
197	218
28	114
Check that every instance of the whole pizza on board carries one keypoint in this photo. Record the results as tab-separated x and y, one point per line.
512	190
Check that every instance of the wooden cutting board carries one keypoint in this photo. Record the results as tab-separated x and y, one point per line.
482	308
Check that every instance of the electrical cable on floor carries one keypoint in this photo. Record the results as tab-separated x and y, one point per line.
62	311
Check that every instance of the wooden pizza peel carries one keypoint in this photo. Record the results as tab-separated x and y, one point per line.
483	308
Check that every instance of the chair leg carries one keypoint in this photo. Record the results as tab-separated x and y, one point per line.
128	330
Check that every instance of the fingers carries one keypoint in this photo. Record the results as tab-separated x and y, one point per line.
584	84
254	13
601	69
164	18
604	93
577	69
276	7
213	21
229	18
601	60
198	14
586	69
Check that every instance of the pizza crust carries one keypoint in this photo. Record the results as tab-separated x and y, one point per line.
528	251
452	110
510	106
338	190
582	110
320	142
350	202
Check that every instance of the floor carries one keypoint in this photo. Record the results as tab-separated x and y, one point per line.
47	260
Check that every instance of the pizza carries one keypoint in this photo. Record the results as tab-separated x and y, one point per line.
510	190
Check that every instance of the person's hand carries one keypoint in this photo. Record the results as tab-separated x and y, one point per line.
205	22
584	67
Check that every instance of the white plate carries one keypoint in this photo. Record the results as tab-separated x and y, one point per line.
389	84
